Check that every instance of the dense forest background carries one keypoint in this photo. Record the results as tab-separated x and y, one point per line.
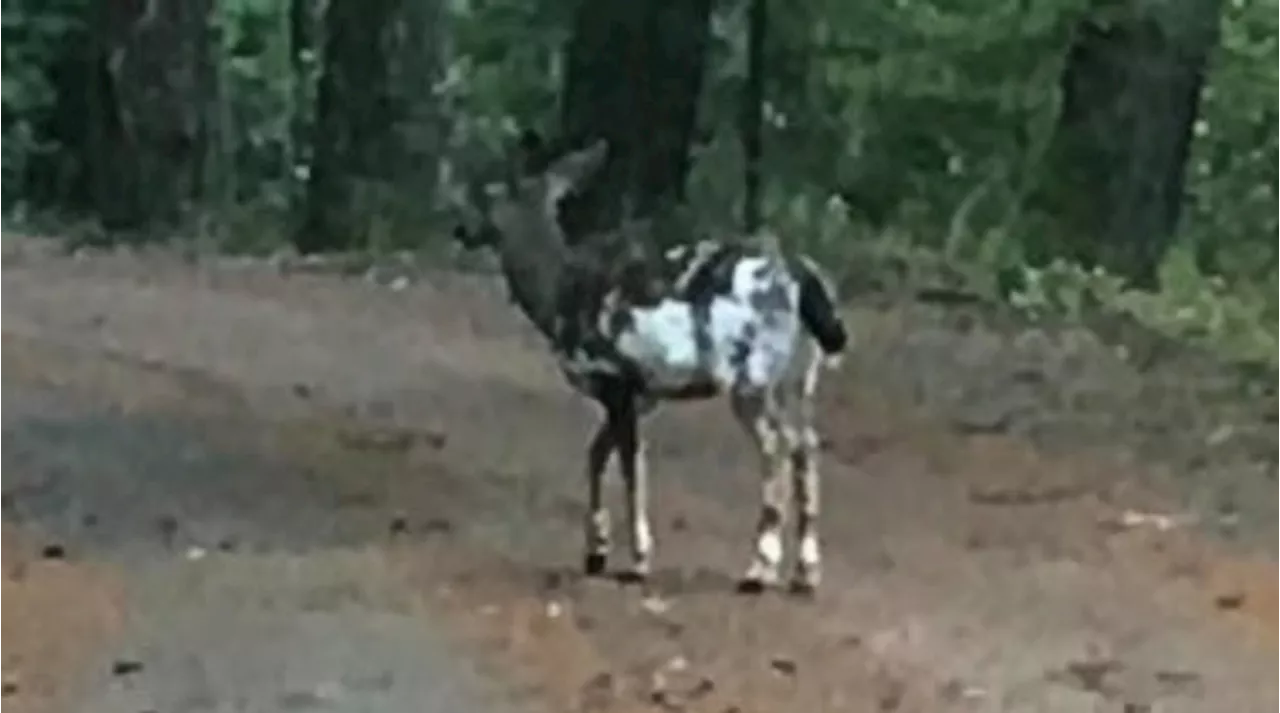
1064	155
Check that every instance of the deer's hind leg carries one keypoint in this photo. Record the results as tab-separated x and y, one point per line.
807	482
759	414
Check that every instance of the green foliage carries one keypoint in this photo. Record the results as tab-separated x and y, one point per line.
35	37
1231	211
906	108
256	72
1239	323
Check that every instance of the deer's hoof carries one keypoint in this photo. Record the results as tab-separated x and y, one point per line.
632	577
751	585
803	589
594	564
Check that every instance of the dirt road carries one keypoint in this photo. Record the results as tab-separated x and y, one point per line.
231	489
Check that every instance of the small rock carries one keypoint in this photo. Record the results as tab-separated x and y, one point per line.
598	693
398	525
302	391
322	695
655	605
1160	522
552	581
386	439
125	667
890	699
53	552
1220	435
435	439
665	700
554	610
168	526
784	666
399	284
1091	675
851	641
227	544
328	690
1229	601
983	419
702	688
956	690
677	664
437	525
300	700
196	554
1178	681
9	688
377	682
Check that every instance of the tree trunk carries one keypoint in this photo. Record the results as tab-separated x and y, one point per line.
145	122
302	51
352	125
377	132
634	75
416	60
1131	92
753	114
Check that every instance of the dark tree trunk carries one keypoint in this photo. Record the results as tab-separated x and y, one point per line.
302	22
352	126
1131	93
634	75
415	67
207	95
144	120
376	126
753	114
108	168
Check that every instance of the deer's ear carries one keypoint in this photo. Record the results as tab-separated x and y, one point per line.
570	171
531	142
529	153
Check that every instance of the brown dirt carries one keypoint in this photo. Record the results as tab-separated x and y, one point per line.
46	655
970	567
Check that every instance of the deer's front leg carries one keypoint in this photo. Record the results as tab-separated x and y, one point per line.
758	416
597	521
807	484
635	478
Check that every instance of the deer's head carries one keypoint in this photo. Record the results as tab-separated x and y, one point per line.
517	217
522	207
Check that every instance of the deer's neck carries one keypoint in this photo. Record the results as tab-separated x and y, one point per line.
533	271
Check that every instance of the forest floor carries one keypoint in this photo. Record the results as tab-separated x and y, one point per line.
233	486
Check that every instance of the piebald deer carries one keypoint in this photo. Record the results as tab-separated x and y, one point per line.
631	330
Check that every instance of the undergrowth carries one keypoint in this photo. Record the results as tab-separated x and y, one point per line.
1234	320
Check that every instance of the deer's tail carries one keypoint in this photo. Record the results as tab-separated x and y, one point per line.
818	310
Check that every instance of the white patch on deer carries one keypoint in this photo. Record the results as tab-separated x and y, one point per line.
748	344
